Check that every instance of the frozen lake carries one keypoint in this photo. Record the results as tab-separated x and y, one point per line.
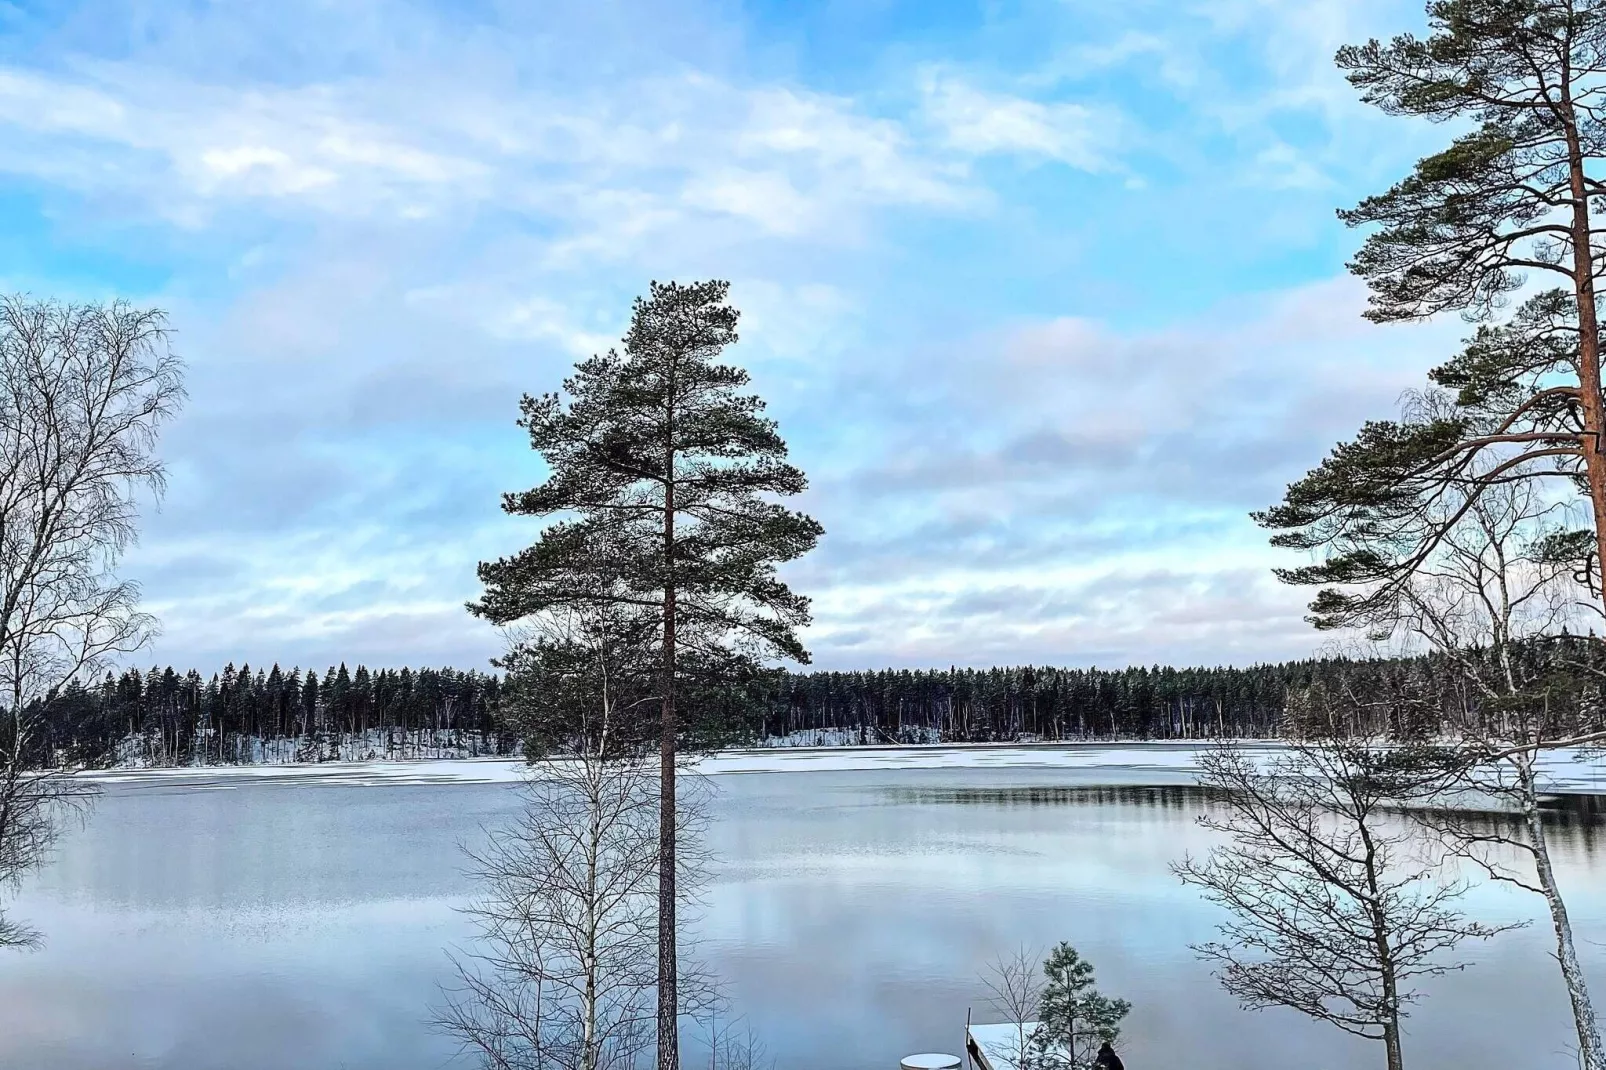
249	922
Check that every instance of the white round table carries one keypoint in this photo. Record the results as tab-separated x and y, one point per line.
929	1061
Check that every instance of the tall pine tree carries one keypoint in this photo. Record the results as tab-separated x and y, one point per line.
1510	202
666	474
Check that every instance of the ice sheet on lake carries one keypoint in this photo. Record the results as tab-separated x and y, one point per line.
1174	759
1158	763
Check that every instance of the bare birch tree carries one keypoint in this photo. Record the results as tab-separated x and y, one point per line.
566	975
1015	990
732	1044
1331	912
1519	853
1497	603
566	979
84	390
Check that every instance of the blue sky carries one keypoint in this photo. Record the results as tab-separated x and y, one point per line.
1046	296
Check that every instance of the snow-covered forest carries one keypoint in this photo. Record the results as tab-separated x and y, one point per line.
244	715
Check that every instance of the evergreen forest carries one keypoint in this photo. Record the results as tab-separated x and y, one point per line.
244	715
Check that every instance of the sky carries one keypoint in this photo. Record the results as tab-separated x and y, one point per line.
1046	297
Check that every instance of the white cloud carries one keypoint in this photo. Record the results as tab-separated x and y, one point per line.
981	123
767	198
168	139
874	158
624	167
259	169
35	102
494	310
1281	166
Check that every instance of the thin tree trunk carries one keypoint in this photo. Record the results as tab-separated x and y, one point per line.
668	995
589	1059
1385	956
1589	1043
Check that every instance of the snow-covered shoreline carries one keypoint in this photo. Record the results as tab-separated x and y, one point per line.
1158	763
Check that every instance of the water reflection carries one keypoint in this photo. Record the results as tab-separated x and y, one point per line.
1182	798
1568	810
1574	823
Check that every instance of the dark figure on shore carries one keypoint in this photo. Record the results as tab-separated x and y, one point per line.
1107	1059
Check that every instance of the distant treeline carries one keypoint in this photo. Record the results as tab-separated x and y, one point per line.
983	705
164	717
1395	697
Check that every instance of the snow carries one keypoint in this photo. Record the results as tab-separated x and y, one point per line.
145	752
377	772
929	1061
1166	757
999	1045
1165	763
1129	763
1174	761
850	737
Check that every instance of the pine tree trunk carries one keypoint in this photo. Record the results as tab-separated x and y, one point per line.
1594	409
668	995
1590	1053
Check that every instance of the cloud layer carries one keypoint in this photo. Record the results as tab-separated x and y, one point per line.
1044	300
